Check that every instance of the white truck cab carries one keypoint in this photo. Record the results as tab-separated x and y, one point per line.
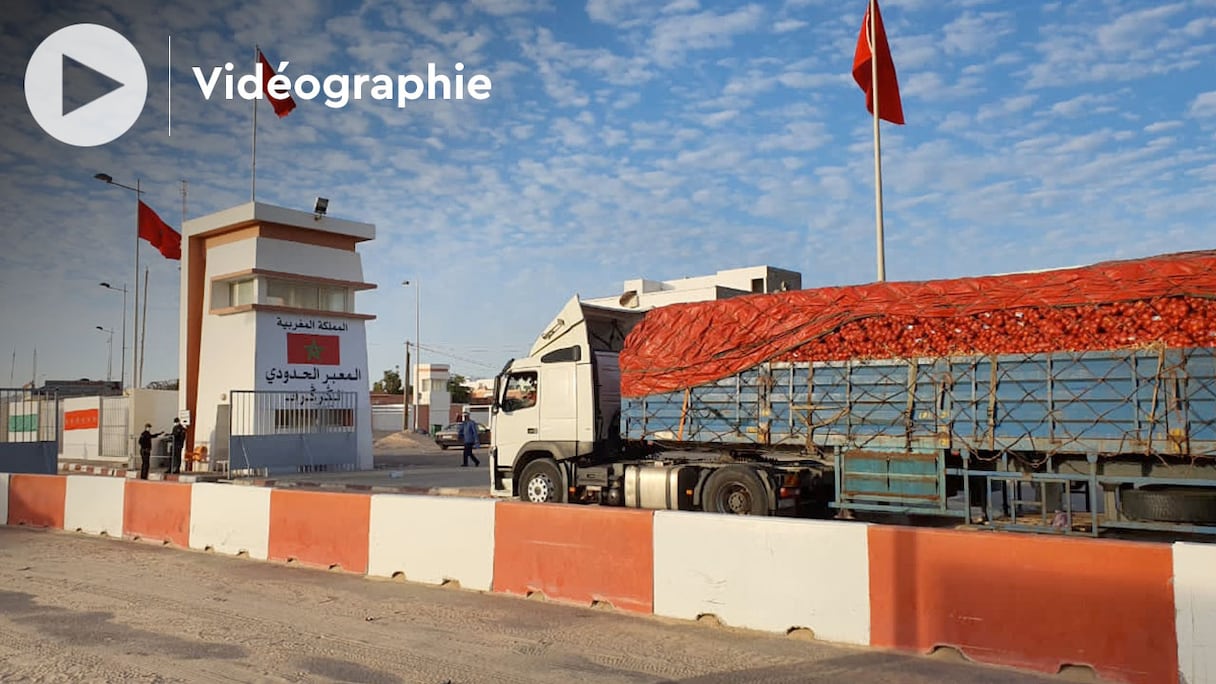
560	403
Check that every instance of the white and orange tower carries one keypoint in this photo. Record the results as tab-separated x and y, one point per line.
268	304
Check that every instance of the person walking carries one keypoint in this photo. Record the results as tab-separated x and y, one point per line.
179	443
145	449
468	433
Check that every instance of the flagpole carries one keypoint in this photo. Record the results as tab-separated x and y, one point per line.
143	335
873	37
253	175
135	346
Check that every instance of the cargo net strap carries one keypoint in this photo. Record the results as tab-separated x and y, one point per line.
1157	402
1168	300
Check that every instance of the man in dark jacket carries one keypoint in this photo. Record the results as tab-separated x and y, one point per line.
468	434
145	449
179	443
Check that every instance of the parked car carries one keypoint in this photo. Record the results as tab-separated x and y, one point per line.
450	436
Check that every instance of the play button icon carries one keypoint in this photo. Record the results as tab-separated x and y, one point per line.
85	85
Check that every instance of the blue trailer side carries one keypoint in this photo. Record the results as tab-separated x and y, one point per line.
911	435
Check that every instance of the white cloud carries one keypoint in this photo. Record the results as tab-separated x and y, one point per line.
1162	126
788	25
1203	106
672	37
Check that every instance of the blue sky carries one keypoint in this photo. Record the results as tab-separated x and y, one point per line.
622	139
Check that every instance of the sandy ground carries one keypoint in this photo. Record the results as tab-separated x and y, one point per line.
76	608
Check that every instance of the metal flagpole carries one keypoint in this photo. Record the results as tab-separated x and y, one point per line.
144	332
253	175
135	331
872	34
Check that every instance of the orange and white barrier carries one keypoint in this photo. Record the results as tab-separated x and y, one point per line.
94	504
432	539
575	554
230	519
778	576
1133	612
157	511
1195	602
321	529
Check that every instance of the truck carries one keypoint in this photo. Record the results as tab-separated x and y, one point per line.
1072	401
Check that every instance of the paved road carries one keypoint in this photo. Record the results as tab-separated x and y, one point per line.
407	462
77	608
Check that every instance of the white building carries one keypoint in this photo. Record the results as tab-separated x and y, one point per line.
645	294
268	305
434	400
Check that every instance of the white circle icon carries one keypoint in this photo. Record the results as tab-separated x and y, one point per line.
100	55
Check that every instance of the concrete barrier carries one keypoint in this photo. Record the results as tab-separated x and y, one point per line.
3	498
767	574
1027	601
36	500
157	511
572	553
321	529
433	539
94	505
230	519
1195	600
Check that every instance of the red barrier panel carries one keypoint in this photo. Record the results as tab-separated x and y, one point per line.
573	553
322	529
157	511
37	500
1026	601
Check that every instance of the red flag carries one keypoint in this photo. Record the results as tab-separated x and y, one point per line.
282	105
889	106
318	350
158	233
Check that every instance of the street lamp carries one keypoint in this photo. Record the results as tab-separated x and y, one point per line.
109	180
110	355
123	372
417	345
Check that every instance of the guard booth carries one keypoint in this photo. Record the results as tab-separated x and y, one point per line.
274	353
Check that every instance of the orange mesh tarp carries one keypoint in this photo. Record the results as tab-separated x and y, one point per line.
684	345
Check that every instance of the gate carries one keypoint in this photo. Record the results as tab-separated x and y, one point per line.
280	432
29	431
116	437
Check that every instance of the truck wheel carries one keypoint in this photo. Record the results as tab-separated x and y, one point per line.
735	490
541	482
1178	504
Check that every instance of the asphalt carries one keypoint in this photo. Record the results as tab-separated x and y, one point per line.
403	462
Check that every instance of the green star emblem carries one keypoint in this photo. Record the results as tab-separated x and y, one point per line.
314	350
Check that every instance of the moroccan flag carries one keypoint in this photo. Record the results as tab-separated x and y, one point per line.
889	106
158	233
282	105
317	350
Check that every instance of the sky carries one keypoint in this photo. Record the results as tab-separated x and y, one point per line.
621	139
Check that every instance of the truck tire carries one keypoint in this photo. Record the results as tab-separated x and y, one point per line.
541	482
735	490
1177	504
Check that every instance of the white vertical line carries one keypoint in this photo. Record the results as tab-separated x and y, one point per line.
170	70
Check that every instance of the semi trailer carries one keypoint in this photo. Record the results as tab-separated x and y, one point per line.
1071	401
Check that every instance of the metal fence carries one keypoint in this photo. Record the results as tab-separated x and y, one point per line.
116	437
29	431
274	432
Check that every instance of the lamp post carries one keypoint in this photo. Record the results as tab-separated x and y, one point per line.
417	394
108	180
122	379
110	354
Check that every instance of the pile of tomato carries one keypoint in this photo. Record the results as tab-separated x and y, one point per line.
1172	321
